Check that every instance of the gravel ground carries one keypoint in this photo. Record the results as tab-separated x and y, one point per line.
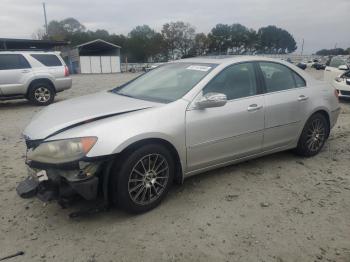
275	208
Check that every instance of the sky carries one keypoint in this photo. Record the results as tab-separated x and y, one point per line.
321	23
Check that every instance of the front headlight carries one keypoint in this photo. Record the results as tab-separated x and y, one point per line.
62	151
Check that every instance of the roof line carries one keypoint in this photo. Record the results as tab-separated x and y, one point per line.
98	40
33	41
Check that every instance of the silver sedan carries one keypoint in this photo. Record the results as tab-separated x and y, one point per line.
129	144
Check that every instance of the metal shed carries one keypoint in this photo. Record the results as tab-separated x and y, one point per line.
94	57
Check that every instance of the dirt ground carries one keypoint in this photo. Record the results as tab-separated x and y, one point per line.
276	208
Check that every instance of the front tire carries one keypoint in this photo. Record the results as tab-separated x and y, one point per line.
41	94
143	178
313	136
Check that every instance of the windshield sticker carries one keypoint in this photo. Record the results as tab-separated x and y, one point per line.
199	68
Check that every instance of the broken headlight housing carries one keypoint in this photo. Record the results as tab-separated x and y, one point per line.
61	151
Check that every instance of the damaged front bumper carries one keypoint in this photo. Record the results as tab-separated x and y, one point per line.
53	183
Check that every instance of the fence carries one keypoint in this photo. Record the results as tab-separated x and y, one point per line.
134	67
139	67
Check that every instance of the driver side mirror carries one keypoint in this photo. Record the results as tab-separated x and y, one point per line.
343	67
348	81
211	100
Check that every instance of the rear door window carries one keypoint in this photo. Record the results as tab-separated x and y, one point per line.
47	60
13	61
278	77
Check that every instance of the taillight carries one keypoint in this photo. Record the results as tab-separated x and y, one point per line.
66	71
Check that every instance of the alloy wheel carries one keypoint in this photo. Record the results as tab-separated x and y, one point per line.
148	179
316	135
42	94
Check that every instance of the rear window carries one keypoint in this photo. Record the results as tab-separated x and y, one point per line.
13	61
47	60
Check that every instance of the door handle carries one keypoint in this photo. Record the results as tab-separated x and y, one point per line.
302	98
25	71
253	107
328	70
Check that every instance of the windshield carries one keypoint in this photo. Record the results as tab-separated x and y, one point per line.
337	61
166	83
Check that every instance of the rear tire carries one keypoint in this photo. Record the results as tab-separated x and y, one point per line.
313	136
143	178
41	94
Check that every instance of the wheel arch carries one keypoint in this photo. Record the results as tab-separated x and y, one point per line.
169	146
320	110
107	169
40	80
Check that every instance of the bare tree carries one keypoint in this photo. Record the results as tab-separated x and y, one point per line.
39	34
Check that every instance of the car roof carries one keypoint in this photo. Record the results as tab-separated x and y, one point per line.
227	60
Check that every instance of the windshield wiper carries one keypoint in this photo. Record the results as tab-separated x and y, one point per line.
116	92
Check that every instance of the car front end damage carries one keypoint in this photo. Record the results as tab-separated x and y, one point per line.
65	176
49	183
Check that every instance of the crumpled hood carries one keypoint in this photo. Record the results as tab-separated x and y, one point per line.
76	111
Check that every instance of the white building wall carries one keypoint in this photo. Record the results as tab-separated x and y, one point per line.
99	64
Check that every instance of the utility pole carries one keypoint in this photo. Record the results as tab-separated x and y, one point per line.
47	33
302	47
335	46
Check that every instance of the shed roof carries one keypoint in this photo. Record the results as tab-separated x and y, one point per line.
98	43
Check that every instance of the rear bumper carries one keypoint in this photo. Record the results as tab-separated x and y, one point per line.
56	184
62	84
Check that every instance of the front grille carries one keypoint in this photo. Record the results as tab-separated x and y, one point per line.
345	93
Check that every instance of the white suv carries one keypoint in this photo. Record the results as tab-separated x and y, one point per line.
36	76
336	66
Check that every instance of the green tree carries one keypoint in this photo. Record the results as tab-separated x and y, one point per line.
65	29
100	34
220	39
142	43
72	25
239	36
275	40
201	44
252	41
56	31
179	38
335	51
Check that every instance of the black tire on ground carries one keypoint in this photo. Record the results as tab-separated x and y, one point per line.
41	93
142	177
313	136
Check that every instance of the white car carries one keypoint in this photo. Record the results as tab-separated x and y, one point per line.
342	84
337	66
36	76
